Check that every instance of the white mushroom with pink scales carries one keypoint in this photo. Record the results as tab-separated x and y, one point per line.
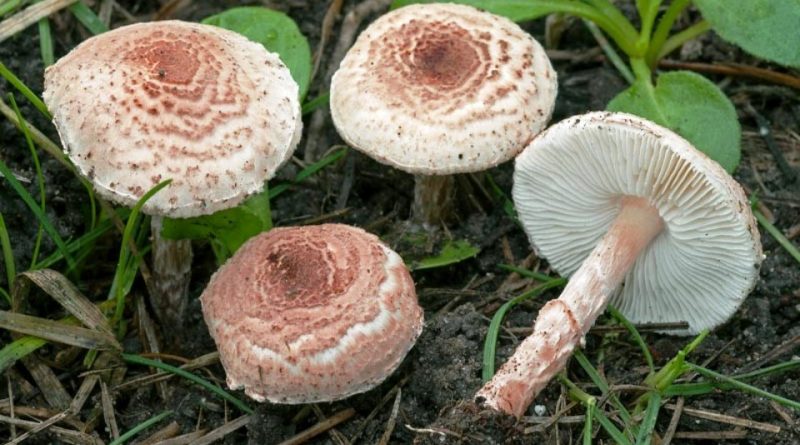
439	89
311	314
636	217
205	107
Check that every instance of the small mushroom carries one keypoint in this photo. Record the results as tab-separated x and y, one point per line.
311	314
203	106
438	89
609	198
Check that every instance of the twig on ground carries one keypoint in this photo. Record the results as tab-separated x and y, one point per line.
147	328
732	69
320	427
13	428
108	411
724	418
223	431
733	434
387	434
168	432
30	15
363	425
184	439
673	422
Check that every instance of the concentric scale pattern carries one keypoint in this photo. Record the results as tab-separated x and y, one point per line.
442	88
200	105
309	314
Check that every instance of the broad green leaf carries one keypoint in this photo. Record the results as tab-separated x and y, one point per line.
230	228
516	10
692	106
276	31
452	252
766	28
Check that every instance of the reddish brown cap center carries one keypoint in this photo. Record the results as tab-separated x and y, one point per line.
305	276
444	60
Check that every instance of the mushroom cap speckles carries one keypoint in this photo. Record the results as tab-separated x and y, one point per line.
200	105
311	314
567	187
441	89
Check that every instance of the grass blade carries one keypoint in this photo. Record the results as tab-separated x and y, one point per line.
22	88
17	349
46	42
88	18
308	171
611	429
315	103
39	176
9	6
699	388
26	197
122	275
77	244
649	422
8	254
525	272
772	230
490	345
741	386
62	290
56	331
587	425
138	360
635	334
140	427
601	384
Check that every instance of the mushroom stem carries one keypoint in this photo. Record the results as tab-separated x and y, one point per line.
563	322
172	271
434	199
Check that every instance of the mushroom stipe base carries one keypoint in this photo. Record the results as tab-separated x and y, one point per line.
562	323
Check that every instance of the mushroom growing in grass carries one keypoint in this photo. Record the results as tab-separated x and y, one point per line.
311	314
637	217
439	89
203	106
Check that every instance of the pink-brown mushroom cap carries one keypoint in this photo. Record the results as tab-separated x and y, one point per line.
311	314
438	89
201	105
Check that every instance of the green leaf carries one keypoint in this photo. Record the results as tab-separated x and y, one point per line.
452	252
692	106
276	31
766	28
516	10
229	228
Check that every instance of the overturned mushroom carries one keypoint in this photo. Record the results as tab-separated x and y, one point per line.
438	89
610	198
311	314
203	106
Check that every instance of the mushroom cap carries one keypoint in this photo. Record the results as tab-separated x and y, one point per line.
567	188
311	314
201	105
437	89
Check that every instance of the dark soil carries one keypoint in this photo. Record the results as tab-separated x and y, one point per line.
442	372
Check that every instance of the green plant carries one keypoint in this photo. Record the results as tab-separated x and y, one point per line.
683	101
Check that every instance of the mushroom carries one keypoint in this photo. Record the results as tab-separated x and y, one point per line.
611	197
203	106
311	314
439	89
